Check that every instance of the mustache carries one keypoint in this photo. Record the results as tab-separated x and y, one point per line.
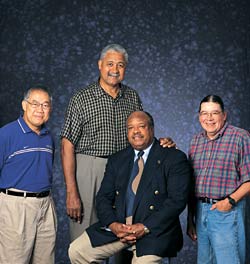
137	135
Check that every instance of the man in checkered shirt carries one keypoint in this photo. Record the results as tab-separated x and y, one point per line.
95	128
220	158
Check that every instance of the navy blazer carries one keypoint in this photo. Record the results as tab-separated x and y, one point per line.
161	197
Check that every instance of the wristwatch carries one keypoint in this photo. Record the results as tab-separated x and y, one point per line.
231	200
146	230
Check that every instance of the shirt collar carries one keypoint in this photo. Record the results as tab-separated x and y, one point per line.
146	152
26	129
99	91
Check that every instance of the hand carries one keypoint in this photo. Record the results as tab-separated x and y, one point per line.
222	205
123	232
138	230
167	142
191	231
74	206
127	233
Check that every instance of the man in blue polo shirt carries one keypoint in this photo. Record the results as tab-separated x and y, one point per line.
27	218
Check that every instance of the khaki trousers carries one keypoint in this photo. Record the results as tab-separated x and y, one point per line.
82	252
89	175
27	230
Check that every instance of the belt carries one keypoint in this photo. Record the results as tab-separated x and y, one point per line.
209	200
26	194
102	157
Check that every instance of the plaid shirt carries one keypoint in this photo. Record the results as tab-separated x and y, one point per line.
96	123
220	165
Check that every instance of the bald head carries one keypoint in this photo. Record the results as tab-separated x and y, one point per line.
140	130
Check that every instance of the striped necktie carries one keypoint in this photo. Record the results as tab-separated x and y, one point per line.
140	167
133	185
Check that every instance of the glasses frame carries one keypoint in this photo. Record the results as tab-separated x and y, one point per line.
36	105
208	114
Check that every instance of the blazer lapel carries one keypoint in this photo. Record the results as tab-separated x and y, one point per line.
122	182
126	166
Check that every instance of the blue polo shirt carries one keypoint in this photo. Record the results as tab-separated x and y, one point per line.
26	158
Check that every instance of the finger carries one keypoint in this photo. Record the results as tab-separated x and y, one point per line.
70	213
192	236
213	207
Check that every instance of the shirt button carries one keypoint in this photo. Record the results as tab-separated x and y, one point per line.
117	192
151	207
156	192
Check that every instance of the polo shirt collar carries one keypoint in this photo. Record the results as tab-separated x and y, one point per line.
26	129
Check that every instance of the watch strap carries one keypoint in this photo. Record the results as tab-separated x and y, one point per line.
231	200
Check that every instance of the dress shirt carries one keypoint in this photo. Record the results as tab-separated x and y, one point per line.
222	164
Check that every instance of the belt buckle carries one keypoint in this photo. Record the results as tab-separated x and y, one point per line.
210	200
39	195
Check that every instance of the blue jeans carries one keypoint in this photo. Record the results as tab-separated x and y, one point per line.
221	235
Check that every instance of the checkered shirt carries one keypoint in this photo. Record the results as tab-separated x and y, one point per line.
221	165
96	123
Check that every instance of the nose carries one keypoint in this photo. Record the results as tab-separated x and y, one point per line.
40	107
210	115
115	68
136	130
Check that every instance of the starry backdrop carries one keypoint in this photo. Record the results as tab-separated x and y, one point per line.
179	52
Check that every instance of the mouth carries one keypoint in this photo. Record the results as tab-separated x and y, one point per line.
137	137
113	74
38	116
210	123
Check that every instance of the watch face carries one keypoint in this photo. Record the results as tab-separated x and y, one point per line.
146	230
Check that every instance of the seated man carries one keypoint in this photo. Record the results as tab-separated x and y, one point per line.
144	190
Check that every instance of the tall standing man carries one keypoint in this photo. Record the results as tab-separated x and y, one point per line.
95	128
144	190
220	157
27	218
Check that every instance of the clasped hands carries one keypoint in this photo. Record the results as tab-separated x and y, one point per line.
127	233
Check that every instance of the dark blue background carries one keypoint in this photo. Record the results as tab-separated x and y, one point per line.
179	51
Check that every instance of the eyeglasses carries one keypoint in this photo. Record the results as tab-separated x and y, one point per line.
35	105
212	114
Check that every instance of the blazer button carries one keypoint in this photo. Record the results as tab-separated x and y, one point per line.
151	207
113	206
117	193
156	192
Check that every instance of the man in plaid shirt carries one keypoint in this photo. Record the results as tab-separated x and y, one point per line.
220	158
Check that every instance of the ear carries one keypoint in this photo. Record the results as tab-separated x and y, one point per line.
225	116
24	105
99	64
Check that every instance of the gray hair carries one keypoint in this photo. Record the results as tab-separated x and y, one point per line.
37	88
114	47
